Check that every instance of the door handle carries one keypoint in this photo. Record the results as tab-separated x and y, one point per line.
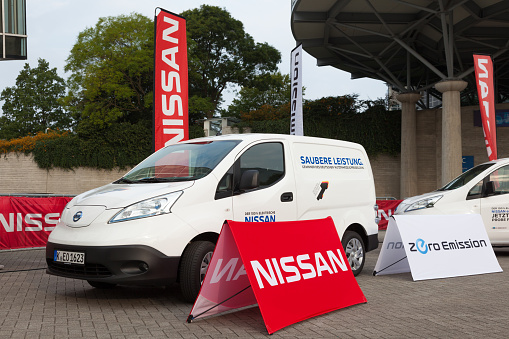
287	197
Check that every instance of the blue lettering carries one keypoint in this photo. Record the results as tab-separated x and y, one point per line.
261	218
331	161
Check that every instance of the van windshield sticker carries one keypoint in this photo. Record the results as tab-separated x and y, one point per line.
331	162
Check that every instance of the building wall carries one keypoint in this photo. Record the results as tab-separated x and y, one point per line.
386	169
19	173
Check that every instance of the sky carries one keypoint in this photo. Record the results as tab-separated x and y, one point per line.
53	27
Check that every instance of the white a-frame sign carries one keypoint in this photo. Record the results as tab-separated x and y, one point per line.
436	246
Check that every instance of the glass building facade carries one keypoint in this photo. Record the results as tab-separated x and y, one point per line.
13	38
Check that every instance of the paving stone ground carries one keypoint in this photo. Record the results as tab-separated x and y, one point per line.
36	305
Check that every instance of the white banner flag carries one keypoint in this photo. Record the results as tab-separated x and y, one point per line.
296	124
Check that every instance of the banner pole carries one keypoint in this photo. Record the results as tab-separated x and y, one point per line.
192	317
154	85
383	269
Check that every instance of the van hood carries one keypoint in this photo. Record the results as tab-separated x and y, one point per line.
123	195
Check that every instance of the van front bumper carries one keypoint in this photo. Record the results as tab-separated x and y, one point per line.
127	265
372	242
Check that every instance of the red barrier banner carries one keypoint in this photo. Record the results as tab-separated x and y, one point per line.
171	120
386	209
27	222
486	92
294	270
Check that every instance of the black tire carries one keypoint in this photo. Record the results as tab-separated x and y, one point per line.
195	261
354	250
100	284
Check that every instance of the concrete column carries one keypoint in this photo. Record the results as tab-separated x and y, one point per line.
451	128
408	180
206	128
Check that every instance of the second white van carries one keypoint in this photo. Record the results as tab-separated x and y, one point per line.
484	190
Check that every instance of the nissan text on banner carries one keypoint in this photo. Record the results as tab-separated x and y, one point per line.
293	270
296	123
484	78
27	221
171	120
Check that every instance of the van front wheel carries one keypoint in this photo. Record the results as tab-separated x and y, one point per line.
354	251
195	261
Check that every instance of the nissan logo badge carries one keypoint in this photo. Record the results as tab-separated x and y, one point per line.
77	216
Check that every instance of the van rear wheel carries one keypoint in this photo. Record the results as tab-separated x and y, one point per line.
354	251
195	261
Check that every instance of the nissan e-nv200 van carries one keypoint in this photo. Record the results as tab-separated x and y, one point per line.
160	222
483	189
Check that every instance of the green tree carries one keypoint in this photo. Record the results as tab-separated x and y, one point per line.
276	93
111	68
222	54
33	104
329	107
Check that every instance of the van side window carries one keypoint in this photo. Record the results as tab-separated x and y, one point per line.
500	178
475	192
267	159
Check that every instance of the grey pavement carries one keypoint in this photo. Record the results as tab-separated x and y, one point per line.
36	305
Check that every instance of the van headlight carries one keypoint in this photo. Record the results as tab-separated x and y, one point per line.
69	204
424	203
148	208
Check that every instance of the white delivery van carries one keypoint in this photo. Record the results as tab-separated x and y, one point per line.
484	190
159	223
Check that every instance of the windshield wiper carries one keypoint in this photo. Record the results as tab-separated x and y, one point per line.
123	181
153	179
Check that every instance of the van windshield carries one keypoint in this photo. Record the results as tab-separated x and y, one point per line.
465	177
180	162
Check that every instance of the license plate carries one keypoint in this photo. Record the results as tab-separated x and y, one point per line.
69	257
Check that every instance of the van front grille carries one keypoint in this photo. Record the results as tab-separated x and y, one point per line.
86	271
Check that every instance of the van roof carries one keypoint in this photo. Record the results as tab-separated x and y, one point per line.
496	161
250	137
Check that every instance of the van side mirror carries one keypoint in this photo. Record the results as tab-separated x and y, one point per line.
489	189
249	180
